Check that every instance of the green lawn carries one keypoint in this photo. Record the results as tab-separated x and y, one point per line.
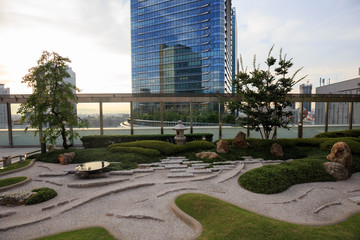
82	234
10	181
222	220
16	165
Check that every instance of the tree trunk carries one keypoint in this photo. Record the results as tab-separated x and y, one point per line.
63	136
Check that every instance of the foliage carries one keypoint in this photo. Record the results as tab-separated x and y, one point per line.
272	179
221	220
262	96
10	181
195	145
42	195
164	147
81	234
354	145
337	134
97	141
50	108
139	150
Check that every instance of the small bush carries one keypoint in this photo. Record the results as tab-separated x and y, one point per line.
164	147
42	195
196	145
336	134
98	141
139	150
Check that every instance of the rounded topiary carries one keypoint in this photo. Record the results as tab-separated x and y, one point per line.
42	195
143	151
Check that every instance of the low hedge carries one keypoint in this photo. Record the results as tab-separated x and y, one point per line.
284	142
336	134
195	145
354	145
42	195
139	150
98	141
272	179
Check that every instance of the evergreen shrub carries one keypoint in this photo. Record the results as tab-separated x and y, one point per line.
139	150
42	195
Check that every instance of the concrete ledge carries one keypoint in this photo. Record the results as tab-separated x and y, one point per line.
19	169
27	180
188	220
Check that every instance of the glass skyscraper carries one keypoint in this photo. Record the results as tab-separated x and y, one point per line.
181	46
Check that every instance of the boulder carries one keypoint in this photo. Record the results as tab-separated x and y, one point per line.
276	150
336	170
240	141
340	153
222	146
209	155
66	158
15	198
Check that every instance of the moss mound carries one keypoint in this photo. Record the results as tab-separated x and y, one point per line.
42	195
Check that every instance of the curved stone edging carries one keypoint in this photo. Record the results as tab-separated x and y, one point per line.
95	184
24	224
19	169
187	219
28	179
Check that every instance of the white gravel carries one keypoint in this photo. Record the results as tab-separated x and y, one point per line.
296	205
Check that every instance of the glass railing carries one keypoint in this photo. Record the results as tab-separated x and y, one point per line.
20	138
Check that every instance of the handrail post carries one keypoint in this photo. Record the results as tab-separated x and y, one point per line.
326	116
9	120
162	117
220	123
101	118
131	119
351	114
191	117
301	121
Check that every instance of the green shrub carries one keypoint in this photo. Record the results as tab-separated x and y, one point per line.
139	150
272	179
284	142
329	142
164	147
336	134
196	145
98	141
42	195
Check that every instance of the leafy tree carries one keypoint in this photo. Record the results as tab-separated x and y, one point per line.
262	95
50	108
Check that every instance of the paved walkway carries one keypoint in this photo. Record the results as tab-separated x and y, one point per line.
135	204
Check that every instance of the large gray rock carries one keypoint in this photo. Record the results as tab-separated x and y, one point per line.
340	153
276	150
209	155
222	146
336	170
240	141
14	198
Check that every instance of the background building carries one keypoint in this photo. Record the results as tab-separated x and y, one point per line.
181	46
306	89
338	112
3	109
234	48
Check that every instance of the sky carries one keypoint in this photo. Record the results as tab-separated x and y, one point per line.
323	36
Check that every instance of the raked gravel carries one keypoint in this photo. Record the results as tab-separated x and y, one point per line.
138	207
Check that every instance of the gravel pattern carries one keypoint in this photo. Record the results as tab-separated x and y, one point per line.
138	207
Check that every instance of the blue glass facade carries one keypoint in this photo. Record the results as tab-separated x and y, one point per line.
181	46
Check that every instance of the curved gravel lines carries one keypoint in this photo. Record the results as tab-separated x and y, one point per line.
95	184
175	190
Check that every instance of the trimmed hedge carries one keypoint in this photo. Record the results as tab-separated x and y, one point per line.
284	142
354	145
98	141
277	178
139	150
336	134
164	147
42	195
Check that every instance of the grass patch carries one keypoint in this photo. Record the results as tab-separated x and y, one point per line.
82	234
222	220
16	165
10	181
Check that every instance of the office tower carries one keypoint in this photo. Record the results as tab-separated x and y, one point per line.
234	48
338	111
306	89
3	108
181	46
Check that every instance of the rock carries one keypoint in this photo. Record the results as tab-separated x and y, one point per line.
276	150
240	141
336	170
15	198
222	146
340	153
66	158
209	155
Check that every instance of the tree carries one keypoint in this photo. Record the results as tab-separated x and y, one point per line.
263	95
50	108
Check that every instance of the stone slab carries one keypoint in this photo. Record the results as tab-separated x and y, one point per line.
171	166
355	200
191	162
171	162
178	170
180	175
124	172
53	174
199	171
200	165
158	168
146	170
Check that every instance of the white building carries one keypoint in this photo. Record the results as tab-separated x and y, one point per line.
3	110
338	111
